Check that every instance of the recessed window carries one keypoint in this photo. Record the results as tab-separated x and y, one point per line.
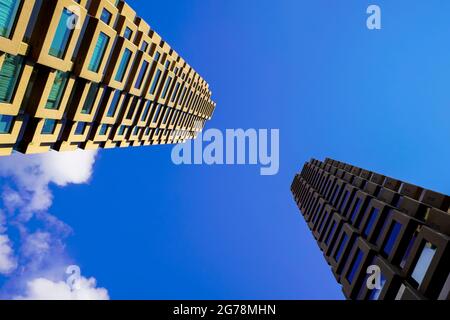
408	251
393	233
9	76
375	293
141	75
166	88
8	17
63	34
103	129
146	110
113	107
333	228
81	126
5	124
157	56
175	92
372	218
49	126
156	115
128	33
144	46
354	266
422	265
344	201
106	16
99	52
90	99
121	130
341	247
355	211
324	219
57	91
123	65
155	81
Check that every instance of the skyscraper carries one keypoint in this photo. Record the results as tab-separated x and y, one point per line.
383	238
92	74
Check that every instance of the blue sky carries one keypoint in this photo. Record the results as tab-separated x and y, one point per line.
147	229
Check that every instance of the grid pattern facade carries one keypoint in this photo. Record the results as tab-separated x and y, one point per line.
362	219
92	74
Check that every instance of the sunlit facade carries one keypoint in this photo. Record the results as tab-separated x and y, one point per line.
92	74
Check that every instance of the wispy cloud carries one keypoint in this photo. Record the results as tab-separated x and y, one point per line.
35	262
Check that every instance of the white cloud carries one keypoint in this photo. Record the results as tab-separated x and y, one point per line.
44	289
7	260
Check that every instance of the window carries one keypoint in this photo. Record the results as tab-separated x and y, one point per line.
81	126
63	34
121	130
157	56
123	65
354	266
342	244
49	126
9	76
144	46
99	52
155	82
57	91
90	99
422	265
114	103
317	213
175	92
344	200
328	238
146	110
322	223
106	16
141	75
408	251
8	16
103	129
375	293
128	33
372	218
355	211
158	109
393	233
136	131
166	88
5	124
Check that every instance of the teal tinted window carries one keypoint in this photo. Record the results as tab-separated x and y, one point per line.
90	99
9	76
63	34
99	52
57	91
49	126
106	16
155	82
103	129
5	124
8	16
123	65
114	103
166	88
141	75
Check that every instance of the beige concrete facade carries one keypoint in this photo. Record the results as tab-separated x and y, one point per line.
92	74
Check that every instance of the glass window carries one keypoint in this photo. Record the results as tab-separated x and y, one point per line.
354	266
114	103
123	65
5	124
99	52
9	76
155	82
393	233
146	110
157	56
81	126
106	16
57	91
155	116
63	34
127	34
317	213
422	265
322	223
375	293
141	75
328	238
121	130
135	131
342	244
175	92
103	129
49	126
8	16
144	46
90	99
372	218
344	200
166	88
408	251
355	210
